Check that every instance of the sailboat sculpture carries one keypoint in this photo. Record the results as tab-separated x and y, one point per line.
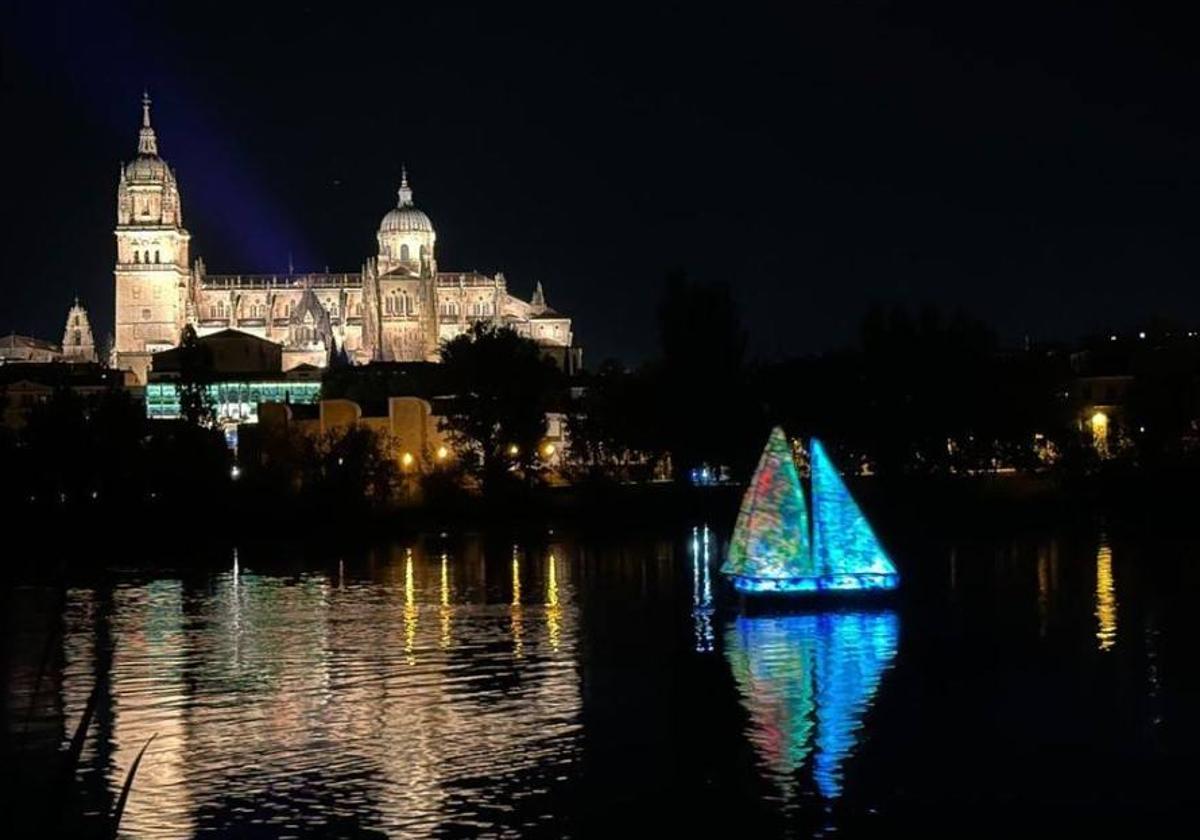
778	546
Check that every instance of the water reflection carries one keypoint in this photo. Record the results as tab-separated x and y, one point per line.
806	681
702	598
328	703
1106	597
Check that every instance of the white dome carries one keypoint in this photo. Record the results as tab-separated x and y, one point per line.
404	217
405	220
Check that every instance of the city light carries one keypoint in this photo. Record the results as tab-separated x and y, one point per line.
442	453
548	450
406	459
514	450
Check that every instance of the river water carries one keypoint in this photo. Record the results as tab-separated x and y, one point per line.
583	686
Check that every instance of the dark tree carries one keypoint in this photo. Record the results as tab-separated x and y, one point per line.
608	429
195	374
502	387
704	410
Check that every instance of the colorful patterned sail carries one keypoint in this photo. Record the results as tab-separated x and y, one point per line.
847	552
770	550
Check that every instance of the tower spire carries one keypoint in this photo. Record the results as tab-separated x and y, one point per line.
147	142
405	190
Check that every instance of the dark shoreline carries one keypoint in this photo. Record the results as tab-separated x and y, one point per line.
97	535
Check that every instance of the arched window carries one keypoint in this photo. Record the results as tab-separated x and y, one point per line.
404	253
137	256
156	256
78	338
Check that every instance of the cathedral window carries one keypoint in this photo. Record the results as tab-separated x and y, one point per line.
156	256
137	256
146	256
77	339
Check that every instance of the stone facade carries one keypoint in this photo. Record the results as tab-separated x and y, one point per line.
78	344
397	307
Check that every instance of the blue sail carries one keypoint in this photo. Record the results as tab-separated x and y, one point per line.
847	552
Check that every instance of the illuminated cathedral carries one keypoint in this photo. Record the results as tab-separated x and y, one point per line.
398	307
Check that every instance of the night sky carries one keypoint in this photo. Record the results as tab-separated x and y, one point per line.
1036	164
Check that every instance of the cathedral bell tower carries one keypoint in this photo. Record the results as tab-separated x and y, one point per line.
152	256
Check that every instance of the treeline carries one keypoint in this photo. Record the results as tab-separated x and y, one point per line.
98	451
922	393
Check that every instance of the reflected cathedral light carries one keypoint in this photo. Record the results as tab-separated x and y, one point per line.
291	701
516	611
553	610
1106	597
445	611
410	607
806	681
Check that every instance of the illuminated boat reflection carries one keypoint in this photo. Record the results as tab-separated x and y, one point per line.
806	682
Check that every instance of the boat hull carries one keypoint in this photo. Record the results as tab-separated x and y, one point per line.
815	584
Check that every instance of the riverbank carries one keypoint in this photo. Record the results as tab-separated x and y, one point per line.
97	532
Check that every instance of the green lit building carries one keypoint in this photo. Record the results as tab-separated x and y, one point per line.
234	401
242	370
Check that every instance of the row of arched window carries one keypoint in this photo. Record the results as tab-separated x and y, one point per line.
144	256
398	302
219	309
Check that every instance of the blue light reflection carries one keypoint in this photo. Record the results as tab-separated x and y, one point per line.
806	682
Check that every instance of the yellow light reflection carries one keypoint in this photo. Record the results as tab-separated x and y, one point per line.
517	610
410	608
553	611
444	638
1106	598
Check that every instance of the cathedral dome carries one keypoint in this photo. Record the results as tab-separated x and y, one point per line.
146	168
404	217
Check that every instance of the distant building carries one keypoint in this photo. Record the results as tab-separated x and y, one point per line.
410	425
1115	377
240	371
77	343
23	348
398	307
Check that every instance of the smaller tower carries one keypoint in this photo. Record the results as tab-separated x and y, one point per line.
77	342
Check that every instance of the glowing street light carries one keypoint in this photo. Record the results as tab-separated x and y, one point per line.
514	450
442	453
406	459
